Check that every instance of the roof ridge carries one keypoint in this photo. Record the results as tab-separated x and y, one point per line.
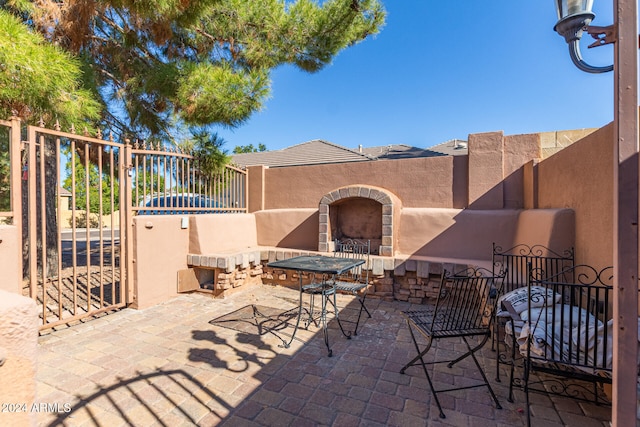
333	144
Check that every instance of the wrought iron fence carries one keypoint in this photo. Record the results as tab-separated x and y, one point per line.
167	181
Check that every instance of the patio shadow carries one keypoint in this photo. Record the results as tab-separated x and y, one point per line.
153	398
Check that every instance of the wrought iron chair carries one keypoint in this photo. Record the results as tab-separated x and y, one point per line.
356	280
464	310
325	288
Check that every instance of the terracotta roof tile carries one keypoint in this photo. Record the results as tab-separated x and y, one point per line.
317	152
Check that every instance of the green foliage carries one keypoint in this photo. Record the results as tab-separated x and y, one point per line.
86	221
208	152
208	93
158	66
40	80
249	149
98	189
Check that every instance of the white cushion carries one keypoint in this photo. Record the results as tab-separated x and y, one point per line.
540	297
573	316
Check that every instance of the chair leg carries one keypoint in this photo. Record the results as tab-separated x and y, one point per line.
335	308
362	307
420	355
325	331
472	353
526	391
513	367
495	346
493	338
311	319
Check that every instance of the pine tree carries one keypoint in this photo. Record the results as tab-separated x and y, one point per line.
158	66
39	80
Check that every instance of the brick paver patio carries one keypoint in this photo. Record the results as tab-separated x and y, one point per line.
169	366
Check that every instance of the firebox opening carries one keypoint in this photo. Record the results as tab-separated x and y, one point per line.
357	218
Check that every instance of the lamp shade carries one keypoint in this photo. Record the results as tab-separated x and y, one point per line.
573	16
567	8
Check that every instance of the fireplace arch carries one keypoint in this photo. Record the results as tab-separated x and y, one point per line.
359	212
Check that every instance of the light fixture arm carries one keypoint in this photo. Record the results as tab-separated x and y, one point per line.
572	27
576	57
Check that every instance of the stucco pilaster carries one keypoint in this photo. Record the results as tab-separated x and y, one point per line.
486	170
256	182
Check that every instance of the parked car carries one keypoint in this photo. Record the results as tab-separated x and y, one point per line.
191	203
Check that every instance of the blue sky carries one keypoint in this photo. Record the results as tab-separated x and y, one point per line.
440	70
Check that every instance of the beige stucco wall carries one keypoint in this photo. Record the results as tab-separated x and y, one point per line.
425	182
288	228
160	250
219	233
553	228
454	233
469	234
581	177
10	259
18	349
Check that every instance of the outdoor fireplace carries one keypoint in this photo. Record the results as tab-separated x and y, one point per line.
358	212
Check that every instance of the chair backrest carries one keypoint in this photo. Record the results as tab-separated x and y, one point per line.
516	259
358	249
572	314
467	300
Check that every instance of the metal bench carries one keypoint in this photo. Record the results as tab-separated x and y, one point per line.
515	260
565	333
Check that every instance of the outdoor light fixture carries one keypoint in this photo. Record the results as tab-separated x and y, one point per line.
574	17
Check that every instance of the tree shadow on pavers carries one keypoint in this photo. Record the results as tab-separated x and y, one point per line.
241	359
162	397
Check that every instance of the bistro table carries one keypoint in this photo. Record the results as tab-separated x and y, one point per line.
325	266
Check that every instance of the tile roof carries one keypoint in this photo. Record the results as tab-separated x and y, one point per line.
454	147
317	152
313	152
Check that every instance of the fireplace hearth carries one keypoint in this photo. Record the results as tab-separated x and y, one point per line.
358	212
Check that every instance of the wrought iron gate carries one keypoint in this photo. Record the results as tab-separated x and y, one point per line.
74	197
74	212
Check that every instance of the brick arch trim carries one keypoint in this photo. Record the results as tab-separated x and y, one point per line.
380	195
